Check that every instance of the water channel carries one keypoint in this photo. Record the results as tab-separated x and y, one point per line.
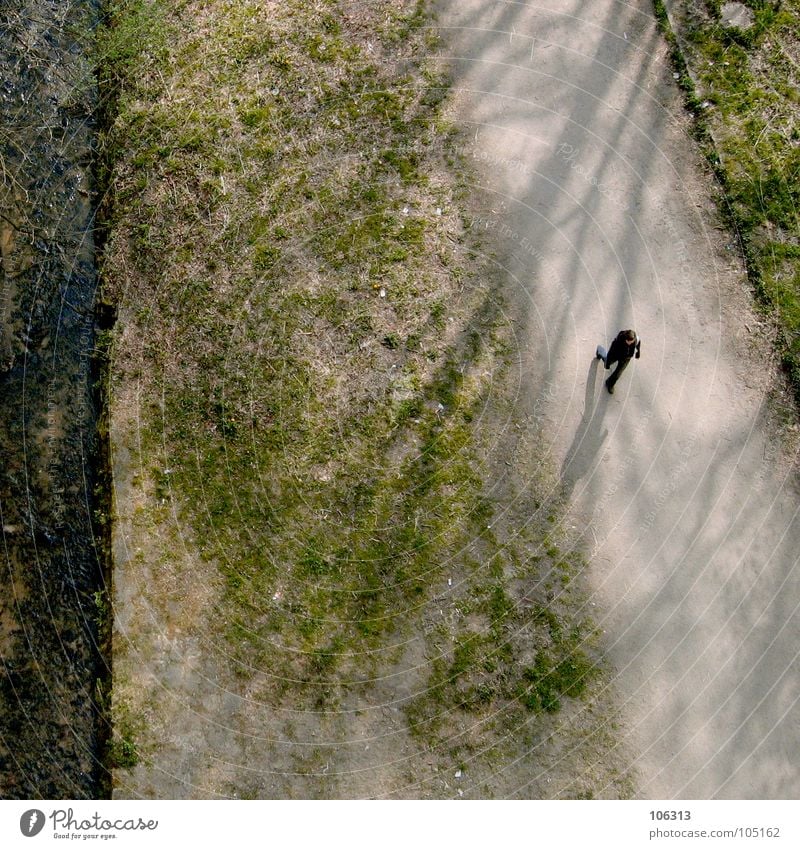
52	589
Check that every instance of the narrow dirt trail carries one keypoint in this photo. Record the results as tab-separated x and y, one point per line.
599	208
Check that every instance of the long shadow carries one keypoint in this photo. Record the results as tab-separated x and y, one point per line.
590	435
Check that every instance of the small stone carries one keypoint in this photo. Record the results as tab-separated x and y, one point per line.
737	15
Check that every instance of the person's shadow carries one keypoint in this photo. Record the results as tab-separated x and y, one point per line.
589	436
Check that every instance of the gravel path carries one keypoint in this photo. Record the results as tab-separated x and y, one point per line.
684	480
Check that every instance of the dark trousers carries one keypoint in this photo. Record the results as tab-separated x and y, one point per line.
614	376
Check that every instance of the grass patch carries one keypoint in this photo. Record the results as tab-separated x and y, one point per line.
503	656
744	92
122	753
312	354
293	379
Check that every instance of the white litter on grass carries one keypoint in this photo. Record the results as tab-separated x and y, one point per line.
438	210
382	293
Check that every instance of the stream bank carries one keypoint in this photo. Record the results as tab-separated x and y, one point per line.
55	594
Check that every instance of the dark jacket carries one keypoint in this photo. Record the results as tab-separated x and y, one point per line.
621	350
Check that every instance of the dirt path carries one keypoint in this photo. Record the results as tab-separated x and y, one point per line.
599	204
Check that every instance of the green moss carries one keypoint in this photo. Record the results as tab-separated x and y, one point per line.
122	754
546	682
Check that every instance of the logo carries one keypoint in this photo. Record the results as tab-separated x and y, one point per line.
66	825
31	822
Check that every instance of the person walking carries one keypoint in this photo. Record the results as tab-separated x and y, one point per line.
626	346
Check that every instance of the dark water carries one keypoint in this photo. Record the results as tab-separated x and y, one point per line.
50	733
